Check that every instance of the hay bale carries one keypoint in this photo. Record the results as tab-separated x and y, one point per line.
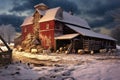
66	52
61	49
92	52
57	51
34	51
81	51
103	50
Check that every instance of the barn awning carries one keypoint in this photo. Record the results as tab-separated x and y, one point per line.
90	33
67	36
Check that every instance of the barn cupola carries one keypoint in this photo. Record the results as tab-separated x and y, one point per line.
40	10
41	6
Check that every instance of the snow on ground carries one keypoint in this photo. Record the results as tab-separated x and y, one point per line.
118	47
4	48
106	70
88	68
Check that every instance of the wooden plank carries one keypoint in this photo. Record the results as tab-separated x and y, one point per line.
5	56
5	43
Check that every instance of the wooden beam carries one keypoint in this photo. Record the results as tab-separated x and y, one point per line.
5	43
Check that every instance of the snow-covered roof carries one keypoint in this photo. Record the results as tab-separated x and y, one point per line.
27	21
90	33
67	36
74	20
41	4
17	35
50	14
41	12
57	14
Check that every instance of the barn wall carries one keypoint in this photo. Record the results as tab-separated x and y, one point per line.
47	34
28	29
18	41
90	43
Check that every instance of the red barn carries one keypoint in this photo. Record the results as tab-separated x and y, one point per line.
56	28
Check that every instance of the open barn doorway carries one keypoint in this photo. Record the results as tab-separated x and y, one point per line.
62	43
66	42
69	45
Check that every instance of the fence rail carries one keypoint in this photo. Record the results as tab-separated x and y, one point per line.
5	57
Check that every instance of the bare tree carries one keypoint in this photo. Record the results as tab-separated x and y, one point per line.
7	32
115	33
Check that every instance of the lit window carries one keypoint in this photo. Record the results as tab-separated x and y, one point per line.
47	26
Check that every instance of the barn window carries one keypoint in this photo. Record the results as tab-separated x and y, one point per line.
25	30
47	26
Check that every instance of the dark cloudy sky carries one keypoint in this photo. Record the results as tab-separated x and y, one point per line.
98	13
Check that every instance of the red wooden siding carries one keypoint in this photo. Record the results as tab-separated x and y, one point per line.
26	30
47	34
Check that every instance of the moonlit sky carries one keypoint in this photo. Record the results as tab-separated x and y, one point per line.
98	13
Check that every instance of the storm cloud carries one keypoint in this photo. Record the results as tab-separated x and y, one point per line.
106	19
28	5
14	20
101	8
92	9
98	13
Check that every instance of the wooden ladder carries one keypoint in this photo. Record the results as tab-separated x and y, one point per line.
70	47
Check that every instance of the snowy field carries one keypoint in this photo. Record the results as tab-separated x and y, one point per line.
63	67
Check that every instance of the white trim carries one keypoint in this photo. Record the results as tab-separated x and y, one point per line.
46	30
67	36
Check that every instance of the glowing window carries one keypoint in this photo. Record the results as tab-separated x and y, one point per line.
47	26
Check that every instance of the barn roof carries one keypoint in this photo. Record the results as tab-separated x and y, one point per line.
41	12
49	14
90	33
56	13
27	21
41	4
74	20
67	36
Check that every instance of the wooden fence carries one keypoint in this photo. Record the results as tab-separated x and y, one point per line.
5	56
